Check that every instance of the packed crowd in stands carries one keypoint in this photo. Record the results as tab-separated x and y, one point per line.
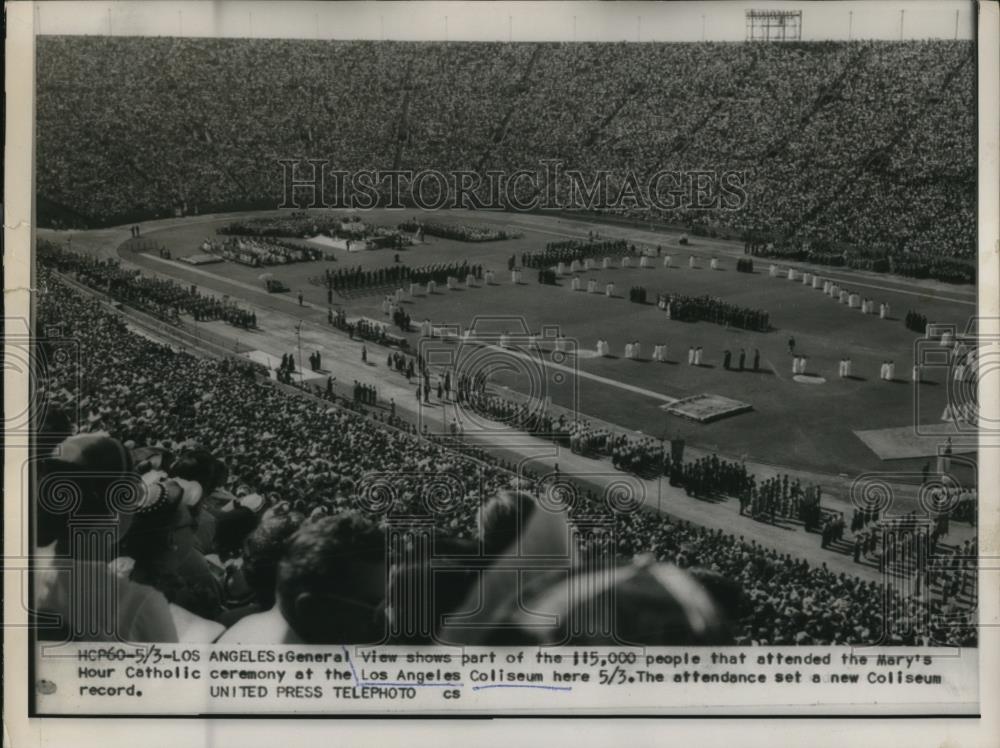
197	121
460	232
160	297
713	309
253	496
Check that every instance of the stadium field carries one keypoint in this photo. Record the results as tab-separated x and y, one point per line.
807	425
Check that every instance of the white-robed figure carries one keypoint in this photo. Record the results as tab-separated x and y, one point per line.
399	296
691	356
667	260
691	263
386	306
636	350
714	264
575	267
515	276
842	368
773	271
490	277
697	356
645	262
452	282
802	364
588	263
591	286
795	365
842	296
628	350
626	261
817	281
414	288
431	286
806	279
606	263
575	284
883	371
426	329
891	371
470	280
826	287
609	290
561	268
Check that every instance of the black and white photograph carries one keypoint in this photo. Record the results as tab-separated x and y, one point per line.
504	358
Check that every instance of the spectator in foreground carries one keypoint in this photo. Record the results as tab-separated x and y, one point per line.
640	604
262	553
88	477
330	588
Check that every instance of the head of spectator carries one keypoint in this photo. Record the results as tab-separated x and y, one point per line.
165	548
504	518
420	594
90	478
199	465
263	550
232	528
643	603
726	593
331	582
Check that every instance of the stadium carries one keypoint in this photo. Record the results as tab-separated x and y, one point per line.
776	397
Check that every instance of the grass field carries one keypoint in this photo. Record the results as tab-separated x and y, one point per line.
805	425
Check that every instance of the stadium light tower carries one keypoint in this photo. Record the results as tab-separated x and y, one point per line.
774	25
